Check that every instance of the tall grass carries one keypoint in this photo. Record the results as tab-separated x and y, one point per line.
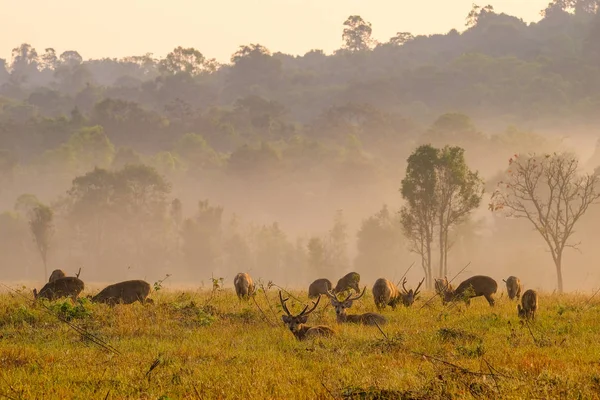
209	345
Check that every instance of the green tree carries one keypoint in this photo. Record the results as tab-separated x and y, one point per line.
549	192
42	228
91	148
186	60
357	34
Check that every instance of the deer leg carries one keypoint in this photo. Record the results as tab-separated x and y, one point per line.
490	299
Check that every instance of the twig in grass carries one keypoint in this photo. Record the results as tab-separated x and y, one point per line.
82	331
327	390
107	393
492	374
262	286
381	330
286	292
590	299
263	313
405	272
155	364
450	281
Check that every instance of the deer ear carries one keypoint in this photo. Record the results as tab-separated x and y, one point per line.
348	304
285	319
303	319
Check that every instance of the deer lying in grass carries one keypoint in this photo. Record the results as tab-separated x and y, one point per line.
409	296
341	306
56	274
319	287
126	292
244	286
475	286
69	286
296	323
347	282
513	287
530	304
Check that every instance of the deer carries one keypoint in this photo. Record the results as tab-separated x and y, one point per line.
529	303
56	274
319	287
347	282
513	287
385	293
341	306
441	286
126	292
244	286
69	286
409	296
296	323
475	286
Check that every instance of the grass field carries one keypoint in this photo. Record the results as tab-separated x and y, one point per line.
208	345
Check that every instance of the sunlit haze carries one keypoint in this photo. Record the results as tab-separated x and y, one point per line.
116	28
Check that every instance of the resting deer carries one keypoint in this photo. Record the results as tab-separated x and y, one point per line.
341	306
409	296
530	304
296	323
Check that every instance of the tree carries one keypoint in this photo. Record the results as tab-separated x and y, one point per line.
49	59
418	215
186	60
402	38
459	191
317	255
70	58
477	13
42	229
549	192
357	34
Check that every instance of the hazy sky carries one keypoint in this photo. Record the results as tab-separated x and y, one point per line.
118	28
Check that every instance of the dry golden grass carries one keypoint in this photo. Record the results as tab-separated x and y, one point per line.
205	345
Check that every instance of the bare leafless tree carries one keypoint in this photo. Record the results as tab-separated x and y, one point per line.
550	193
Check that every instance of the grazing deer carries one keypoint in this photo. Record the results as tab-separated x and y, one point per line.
341	306
296	324
409	296
69	286
513	287
475	286
319	287
126	292
244	286
530	304
441	286
347	282
56	274
385	293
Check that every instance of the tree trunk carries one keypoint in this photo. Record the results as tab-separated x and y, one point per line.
442	247
445	251
45	268
429	261
558	263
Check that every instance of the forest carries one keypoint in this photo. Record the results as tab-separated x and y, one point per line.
291	166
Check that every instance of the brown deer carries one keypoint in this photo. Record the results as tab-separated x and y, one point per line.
341	306
296	323
319	287
530	304
244	286
441	286
56	274
475	286
347	282
409	296
126	292
513	287
69	286
385	293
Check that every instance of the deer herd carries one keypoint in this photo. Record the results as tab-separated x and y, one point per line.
385	293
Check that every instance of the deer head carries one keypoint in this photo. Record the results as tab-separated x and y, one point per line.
341	306
409	296
294	322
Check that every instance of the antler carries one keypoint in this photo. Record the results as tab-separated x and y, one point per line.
304	312
404	287
332	296
417	289
282	300
356	298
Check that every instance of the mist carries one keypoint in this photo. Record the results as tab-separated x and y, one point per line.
289	167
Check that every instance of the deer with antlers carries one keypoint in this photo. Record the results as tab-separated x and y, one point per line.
341	307
409	296
296	323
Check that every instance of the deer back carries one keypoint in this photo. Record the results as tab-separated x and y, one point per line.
348	281
319	287
385	293
125	292
481	284
63	287
56	274
244	286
